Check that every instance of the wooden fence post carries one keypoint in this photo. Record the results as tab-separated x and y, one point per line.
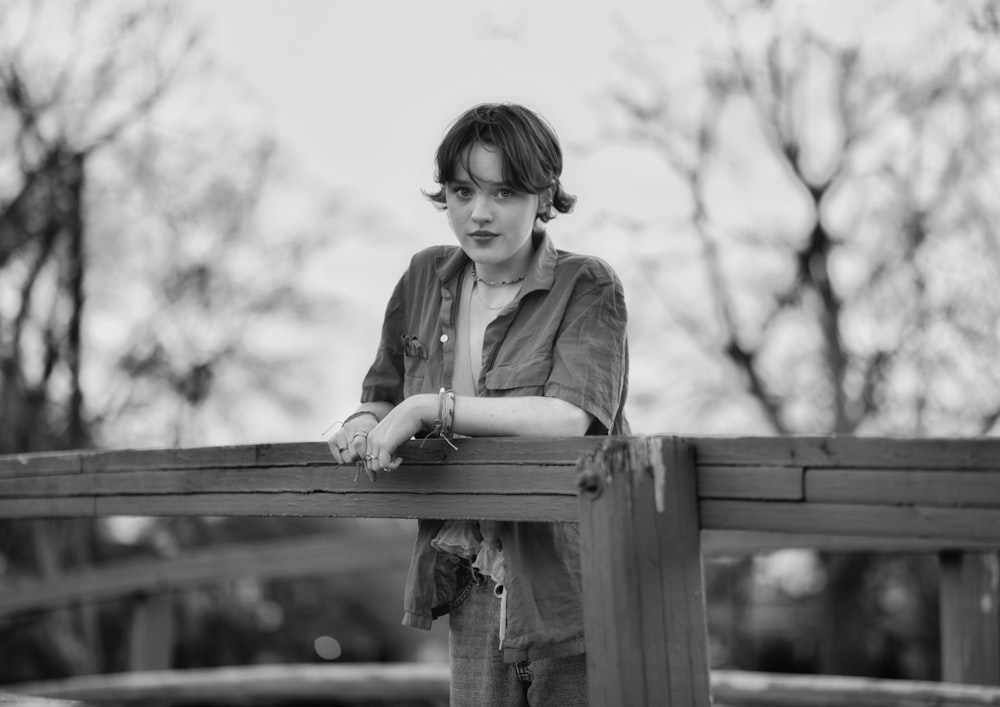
151	639
644	602
970	617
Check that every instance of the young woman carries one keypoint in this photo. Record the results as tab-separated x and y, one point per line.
501	335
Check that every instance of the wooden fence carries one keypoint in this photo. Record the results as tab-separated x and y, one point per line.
644	504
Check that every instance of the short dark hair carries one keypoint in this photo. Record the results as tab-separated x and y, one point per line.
528	146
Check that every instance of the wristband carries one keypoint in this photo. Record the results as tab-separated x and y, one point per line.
446	416
359	413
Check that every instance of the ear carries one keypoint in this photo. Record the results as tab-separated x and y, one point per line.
545	202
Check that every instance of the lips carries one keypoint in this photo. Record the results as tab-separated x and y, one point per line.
484	234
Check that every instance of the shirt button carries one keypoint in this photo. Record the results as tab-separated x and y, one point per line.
444	338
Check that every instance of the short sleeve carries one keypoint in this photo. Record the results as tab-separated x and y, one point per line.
384	380
590	353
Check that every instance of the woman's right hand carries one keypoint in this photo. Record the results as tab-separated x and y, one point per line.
349	443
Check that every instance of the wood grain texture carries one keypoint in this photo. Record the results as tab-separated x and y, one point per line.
976	526
848	452
759	482
644	599
939	487
562	451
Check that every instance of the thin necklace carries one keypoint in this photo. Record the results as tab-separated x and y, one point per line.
494	284
480	297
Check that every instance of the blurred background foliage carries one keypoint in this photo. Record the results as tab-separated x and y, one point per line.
828	267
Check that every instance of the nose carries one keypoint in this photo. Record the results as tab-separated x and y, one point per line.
481	212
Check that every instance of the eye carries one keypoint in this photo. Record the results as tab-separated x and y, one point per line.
505	193
462	192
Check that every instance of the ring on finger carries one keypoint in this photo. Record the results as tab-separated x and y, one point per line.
359	433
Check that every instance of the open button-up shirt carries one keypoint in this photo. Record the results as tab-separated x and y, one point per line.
563	336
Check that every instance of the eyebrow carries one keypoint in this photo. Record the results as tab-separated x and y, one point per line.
483	182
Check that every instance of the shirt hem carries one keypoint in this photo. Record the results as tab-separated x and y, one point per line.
564	649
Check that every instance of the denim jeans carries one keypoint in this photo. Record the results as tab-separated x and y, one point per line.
481	678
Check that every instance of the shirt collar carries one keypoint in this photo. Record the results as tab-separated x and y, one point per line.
540	275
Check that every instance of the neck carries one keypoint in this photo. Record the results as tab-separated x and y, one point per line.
489	282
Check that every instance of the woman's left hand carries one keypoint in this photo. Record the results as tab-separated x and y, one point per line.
400	425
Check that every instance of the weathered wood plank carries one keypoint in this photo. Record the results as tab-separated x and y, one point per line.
493	450
975	525
677	525
75	507
507	506
761	482
329	478
414	477
970	617
847	452
912	486
644	601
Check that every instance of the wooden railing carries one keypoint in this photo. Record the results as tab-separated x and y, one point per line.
644	505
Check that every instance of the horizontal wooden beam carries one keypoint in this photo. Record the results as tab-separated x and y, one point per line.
939	487
8	699
255	684
364	550
848	452
739	688
961	526
562	451
429	681
942	493
731	543
361	552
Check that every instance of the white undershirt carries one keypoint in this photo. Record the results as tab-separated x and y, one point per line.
470	331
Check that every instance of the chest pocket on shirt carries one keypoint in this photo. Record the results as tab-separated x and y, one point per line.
415	361
521	378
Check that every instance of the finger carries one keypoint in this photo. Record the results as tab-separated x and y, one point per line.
384	459
359	445
338	446
370	461
394	464
338	449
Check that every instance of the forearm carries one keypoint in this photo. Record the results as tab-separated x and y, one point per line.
534	416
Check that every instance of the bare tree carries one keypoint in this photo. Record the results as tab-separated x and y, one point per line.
134	267
842	202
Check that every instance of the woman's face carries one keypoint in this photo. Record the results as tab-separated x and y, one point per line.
493	221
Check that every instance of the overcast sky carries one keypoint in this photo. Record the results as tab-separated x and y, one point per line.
362	91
